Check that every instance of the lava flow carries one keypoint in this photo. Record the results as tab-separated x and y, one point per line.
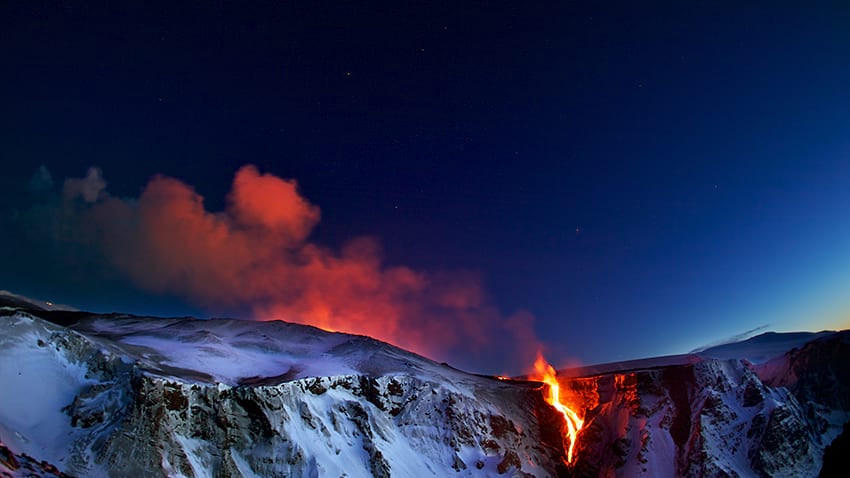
543	372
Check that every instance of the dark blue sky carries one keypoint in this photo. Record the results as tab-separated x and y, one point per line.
643	179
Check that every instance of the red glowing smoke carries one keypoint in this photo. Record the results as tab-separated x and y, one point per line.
256	254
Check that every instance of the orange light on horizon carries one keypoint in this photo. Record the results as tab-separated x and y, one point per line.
544	372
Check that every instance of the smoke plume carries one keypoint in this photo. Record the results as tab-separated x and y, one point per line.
256	254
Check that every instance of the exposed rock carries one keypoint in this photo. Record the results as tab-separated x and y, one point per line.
138	397
395	414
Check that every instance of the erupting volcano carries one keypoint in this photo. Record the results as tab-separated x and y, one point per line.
100	395
544	372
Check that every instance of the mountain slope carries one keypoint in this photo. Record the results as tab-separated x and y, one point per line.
120	395
709	417
762	347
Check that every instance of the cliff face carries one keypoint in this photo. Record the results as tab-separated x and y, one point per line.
122	396
717	417
130	409
350	425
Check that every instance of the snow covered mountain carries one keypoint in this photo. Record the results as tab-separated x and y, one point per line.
693	415
118	395
763	347
130	396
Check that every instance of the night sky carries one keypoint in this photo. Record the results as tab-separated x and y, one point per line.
605	180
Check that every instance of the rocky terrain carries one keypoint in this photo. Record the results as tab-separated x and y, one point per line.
117	395
120	396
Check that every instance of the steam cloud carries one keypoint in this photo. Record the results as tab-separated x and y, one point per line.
88	188
256	254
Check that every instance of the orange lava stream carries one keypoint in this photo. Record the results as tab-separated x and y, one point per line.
543	372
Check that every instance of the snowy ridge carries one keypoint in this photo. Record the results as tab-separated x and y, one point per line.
43	369
236	352
118	395
128	395
11	299
762	347
717	417
630	365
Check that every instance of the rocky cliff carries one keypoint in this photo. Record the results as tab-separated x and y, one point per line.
90	395
122	396
711	417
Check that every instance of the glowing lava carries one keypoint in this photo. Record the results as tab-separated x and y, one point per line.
543	372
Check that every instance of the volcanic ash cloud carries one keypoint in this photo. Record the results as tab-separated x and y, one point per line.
256	254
